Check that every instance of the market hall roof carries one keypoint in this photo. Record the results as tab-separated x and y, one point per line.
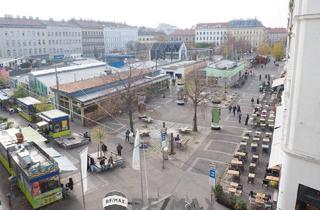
225	73
166	46
100	81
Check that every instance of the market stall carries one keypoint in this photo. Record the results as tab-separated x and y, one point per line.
34	171
26	107
55	123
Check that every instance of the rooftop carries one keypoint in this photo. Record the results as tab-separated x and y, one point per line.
183	32
29	100
166	46
56	23
248	23
177	65
143	31
11	22
100	81
226	73
70	73
211	25
277	30
53	114
91	24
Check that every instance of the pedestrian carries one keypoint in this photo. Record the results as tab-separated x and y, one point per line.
238	109
119	149
230	108
240	115
252	100
104	149
247	120
258	102
260	77
69	185
265	76
234	108
127	135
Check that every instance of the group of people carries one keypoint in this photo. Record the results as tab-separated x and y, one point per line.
237	109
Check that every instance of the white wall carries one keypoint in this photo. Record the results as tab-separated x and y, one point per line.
301	98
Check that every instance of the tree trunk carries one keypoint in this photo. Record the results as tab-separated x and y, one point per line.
131	119
195	120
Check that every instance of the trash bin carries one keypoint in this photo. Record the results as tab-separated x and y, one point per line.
166	153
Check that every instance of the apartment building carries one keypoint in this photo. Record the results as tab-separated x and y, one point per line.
298	151
213	33
183	35
92	37
22	36
276	35
63	39
116	38
250	30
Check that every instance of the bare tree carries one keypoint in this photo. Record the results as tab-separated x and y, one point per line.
98	134
129	90
195	88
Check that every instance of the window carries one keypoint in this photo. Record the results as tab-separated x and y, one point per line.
42	33
38	34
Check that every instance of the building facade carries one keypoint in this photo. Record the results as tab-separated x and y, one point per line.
173	51
276	35
183	35
92	37
250	30
213	33
298	151
63	39
23	36
116	38
146	35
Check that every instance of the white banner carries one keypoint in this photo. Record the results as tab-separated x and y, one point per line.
136	152
83	165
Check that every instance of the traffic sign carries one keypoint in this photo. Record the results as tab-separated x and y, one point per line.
212	176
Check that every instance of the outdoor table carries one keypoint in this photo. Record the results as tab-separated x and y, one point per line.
262	119
254	115
262	125
258	133
240	154
233	173
243	143
247	132
256	138
251	177
276	168
265	146
232	190
271	125
252	165
268	134
255	157
246	137
254	145
266	140
273	178
234	184
235	161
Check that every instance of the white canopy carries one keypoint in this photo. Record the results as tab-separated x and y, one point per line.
65	165
276	152
278	82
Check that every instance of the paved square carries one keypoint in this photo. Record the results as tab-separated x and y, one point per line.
222	146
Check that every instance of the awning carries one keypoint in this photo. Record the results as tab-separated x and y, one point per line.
65	165
276	151
42	123
278	82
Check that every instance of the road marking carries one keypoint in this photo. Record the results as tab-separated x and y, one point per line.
200	158
226	134
225	153
231	126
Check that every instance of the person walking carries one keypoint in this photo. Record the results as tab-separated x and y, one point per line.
234	108
247	120
252	100
127	135
240	115
104	149
258	102
230	108
238	109
260	77
119	149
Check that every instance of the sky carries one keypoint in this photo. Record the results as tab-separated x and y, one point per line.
181	13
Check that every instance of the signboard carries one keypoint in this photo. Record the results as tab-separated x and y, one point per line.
216	113
212	176
115	201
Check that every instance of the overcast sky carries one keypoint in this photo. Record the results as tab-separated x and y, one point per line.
181	13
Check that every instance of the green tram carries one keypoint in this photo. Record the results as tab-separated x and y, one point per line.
36	173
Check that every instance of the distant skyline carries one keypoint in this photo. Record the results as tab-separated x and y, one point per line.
183	14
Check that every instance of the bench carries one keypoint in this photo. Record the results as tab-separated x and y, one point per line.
147	120
183	144
185	130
